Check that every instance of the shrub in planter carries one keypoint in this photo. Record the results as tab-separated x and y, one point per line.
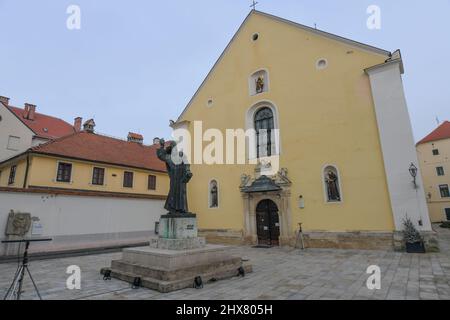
413	239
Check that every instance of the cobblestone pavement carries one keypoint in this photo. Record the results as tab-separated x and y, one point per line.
279	273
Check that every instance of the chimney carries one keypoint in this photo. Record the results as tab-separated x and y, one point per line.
135	137
77	124
89	126
30	110
4	100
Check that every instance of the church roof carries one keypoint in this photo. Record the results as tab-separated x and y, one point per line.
328	35
440	133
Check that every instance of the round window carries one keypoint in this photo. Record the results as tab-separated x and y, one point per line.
322	64
255	37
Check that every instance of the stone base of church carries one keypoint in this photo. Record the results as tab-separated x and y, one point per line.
171	270
327	240
346	240
222	236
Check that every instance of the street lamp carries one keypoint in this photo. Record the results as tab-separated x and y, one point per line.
413	173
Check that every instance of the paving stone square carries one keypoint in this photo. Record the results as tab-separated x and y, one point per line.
279	273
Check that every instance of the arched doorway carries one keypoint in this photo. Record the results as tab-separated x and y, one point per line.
268	223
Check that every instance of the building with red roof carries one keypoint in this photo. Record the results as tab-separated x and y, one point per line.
434	154
82	189
87	161
440	133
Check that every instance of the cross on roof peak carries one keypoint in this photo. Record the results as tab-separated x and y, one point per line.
254	4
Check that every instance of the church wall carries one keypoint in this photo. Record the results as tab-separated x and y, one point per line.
326	117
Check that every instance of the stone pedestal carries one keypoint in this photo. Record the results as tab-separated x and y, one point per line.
177	244
178	226
176	258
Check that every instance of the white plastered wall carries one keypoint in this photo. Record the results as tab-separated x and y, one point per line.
77	222
11	126
398	146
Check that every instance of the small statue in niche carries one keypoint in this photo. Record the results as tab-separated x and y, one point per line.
260	84
332	183
214	195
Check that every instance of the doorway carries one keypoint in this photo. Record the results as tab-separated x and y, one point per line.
268	223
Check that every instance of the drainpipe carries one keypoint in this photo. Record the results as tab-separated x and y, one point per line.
25	180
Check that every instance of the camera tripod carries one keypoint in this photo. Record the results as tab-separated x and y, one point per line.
300	237
15	290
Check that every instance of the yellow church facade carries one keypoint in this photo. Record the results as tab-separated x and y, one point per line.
338	162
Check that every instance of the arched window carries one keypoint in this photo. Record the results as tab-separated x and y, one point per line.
264	127
332	184
213	194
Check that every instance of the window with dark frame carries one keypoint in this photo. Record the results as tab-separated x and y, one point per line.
445	193
435	152
98	176
12	174
151	182
64	172
128	179
440	171
264	126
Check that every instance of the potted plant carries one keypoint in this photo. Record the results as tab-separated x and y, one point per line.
413	239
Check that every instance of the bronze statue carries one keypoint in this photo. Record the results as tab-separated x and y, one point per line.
179	174
332	186
260	84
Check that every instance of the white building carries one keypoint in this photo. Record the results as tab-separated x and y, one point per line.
23	128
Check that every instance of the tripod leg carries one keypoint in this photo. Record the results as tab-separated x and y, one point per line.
22	275
34	284
12	288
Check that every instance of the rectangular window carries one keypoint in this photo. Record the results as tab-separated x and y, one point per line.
128	179
440	171
151	182
98	176
12	175
64	172
13	143
435	152
444	191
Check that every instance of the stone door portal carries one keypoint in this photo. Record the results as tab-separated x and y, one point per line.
268	223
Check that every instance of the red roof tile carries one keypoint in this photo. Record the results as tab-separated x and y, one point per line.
442	132
99	148
44	126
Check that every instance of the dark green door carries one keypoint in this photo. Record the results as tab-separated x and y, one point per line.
268	223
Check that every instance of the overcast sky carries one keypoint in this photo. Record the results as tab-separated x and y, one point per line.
134	65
